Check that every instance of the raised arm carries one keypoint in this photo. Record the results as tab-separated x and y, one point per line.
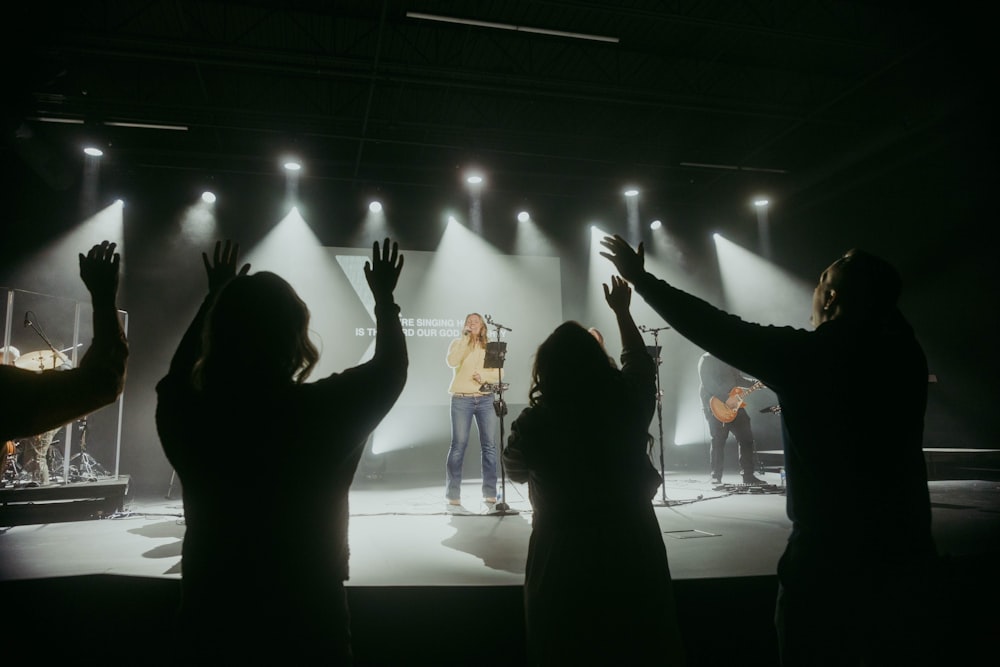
99	270
108	353
35	402
630	263
382	274
220	269
619	298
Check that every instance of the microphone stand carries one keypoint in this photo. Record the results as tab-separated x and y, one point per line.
501	508
659	404
56	354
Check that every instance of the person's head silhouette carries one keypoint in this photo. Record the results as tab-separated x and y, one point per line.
858	286
568	363
257	328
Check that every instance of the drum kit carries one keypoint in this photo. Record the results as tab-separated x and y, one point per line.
36	460
19	470
42	360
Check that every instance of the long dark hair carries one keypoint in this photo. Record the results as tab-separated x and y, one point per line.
568	364
257	329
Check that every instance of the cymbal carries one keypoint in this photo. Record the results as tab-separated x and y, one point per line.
40	360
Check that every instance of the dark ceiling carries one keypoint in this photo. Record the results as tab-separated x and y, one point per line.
702	105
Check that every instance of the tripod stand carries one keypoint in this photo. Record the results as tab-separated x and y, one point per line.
654	351
87	468
496	353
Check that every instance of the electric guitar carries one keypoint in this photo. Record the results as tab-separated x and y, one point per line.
726	414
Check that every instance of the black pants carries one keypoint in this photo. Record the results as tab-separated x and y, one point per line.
739	427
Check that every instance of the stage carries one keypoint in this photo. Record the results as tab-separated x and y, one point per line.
423	573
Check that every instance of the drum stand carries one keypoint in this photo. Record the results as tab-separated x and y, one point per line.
654	352
55	462
88	468
170	487
495	355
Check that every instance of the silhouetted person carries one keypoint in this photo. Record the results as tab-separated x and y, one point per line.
597	587
34	401
266	460
856	575
718	379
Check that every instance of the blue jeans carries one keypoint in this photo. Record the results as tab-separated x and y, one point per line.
463	409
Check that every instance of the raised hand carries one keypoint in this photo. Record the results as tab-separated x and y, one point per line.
382	273
630	263
222	268
619	295
99	271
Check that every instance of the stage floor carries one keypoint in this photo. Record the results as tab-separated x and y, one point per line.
409	537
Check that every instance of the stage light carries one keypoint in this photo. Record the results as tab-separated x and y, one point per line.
93	151
523	216
292	165
763	227
50	119
475	182
634	234
208	197
375	207
655	224
148	126
510	26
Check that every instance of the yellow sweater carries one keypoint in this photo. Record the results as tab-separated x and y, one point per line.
466	359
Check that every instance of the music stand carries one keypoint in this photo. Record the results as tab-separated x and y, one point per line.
495	355
496	352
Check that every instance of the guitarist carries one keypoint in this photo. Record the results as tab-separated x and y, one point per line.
724	384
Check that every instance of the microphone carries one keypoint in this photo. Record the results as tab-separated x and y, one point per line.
27	320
